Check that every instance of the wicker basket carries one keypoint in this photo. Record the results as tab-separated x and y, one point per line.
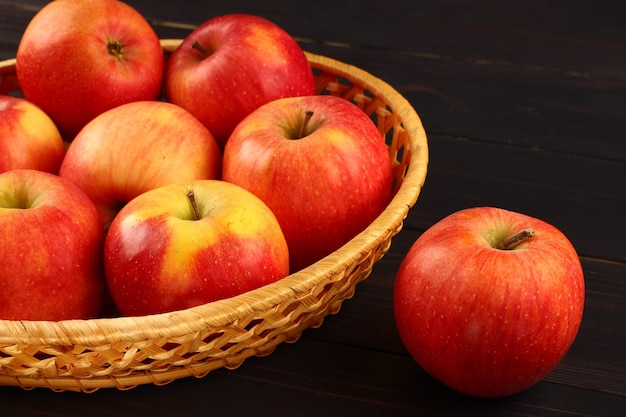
123	352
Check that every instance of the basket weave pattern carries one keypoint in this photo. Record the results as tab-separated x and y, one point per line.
123	352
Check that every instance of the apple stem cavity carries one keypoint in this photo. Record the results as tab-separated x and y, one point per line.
115	49
198	46
307	118
512	241
194	205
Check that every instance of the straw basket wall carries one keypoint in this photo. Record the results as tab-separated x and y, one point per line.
123	352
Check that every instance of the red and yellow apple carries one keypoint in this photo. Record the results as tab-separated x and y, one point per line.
319	163
187	244
78	58
232	64
489	301
52	240
29	139
136	147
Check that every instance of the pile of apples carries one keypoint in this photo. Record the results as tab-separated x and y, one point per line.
136	183
155	183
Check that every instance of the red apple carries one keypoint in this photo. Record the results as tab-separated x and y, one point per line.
489	301
29	139
78	58
187	244
232	64
319	163
136	147
51	239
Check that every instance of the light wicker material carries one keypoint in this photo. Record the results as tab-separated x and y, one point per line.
85	355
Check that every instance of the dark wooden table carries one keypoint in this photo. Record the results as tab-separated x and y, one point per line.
524	103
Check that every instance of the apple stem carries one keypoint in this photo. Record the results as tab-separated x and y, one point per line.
307	117
197	45
512	241
194	206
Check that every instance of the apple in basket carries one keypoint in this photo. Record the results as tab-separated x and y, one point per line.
320	164
78	58
187	244
136	147
29	139
489	301
51	239
232	64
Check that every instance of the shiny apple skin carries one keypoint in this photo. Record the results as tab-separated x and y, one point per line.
136	147
325	187
252	61
158	258
485	321
64	66
29	139
51	238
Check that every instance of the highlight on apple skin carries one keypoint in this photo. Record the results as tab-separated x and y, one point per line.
489	301
186	244
79	58
232	64
29	139
136	147
320	163
51	238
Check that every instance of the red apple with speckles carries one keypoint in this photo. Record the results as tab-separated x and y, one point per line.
79	58
136	147
489	300
187	244
232	64
29	139
320	163
51	239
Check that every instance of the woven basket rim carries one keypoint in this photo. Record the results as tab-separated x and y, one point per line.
99	331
